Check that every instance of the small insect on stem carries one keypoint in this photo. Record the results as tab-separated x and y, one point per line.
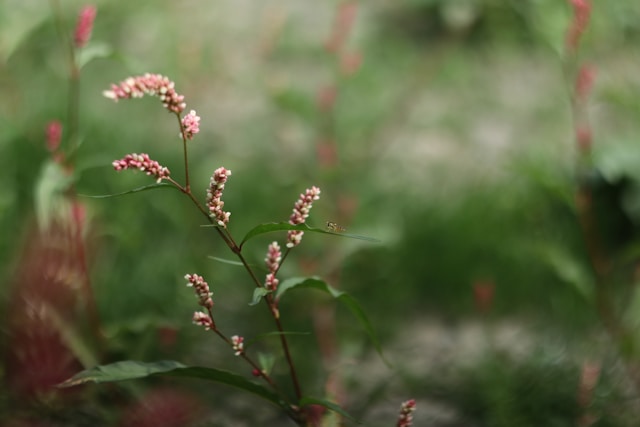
332	226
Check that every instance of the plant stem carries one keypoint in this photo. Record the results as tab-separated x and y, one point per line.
228	239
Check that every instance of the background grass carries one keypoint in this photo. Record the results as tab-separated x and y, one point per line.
454	141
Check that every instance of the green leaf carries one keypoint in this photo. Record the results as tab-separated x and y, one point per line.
570	270
329	405
282	226
135	190
258	294
129	370
50	192
343	297
94	50
266	361
226	261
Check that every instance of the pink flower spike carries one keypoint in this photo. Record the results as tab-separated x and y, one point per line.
300	214
190	124
143	163
54	135
274	256
584	82
203	319
581	15
405	419
202	289
148	84
214	195
238	344
84	26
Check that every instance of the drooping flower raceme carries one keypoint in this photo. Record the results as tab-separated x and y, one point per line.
300	214
190	124
274	256
405	419
148	84
238	344
203	319
143	163
202	289
214	194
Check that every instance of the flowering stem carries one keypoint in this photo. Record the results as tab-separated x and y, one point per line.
186	157
228	239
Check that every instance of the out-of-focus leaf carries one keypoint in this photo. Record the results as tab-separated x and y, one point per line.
135	190
295	102
129	370
327	404
50	189
72	338
343	297
266	361
94	50
570	270
258	294
18	19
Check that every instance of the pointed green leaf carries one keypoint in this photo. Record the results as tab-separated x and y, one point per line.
282	226
226	261
258	294
94	50
329	405
50	198
135	190
129	369
343	297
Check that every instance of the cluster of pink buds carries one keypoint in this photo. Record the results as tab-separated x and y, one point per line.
203	319
274	256
190	125
300	214
84	26
214	194
581	15
405	419
238	344
148	84
143	163
202	289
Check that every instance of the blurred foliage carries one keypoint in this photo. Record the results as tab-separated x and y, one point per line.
454	145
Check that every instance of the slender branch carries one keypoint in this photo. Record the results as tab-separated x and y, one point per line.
186	157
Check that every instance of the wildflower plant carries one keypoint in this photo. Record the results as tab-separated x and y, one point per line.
297	404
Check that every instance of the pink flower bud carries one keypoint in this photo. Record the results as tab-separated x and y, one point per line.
203	319
54	135
238	344
581	15
191	124
84	26
202	289
405	419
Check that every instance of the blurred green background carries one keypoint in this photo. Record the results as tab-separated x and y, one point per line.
455	148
